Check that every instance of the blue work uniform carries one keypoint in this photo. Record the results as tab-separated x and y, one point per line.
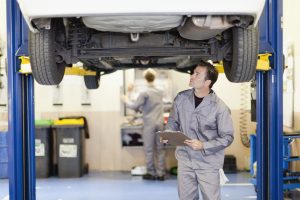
151	104
211	123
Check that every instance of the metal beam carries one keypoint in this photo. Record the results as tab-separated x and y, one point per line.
151	51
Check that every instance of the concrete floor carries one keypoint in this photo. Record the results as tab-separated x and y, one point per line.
123	186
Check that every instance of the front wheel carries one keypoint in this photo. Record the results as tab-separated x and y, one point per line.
47	66
240	64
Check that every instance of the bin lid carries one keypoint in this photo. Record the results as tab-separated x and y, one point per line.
43	122
64	122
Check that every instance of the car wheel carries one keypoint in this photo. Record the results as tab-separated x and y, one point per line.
47	67
240	64
92	82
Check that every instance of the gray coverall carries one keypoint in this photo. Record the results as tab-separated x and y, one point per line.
151	104
210	123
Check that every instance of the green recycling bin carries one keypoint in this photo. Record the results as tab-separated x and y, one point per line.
43	148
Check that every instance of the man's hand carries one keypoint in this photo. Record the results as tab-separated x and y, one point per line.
194	144
130	87
124	98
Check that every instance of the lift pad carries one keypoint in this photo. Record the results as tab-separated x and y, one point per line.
78	71
25	65
263	62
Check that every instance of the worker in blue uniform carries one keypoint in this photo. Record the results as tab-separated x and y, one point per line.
201	115
150	102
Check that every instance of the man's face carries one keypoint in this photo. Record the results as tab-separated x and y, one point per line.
197	79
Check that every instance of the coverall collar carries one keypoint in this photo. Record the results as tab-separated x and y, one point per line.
207	100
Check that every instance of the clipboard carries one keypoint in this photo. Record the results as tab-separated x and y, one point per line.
175	138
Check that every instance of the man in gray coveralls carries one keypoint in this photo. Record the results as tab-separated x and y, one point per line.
150	103
206	120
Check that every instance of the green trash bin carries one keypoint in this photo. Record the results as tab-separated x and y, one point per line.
70	147
43	148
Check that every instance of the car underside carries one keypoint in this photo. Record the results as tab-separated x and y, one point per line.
108	51
106	44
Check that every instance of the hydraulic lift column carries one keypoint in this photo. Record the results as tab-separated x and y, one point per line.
20	110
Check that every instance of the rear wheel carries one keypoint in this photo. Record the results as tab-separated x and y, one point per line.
240	63
92	82
47	66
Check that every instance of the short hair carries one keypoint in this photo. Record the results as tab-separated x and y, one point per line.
149	75
211	72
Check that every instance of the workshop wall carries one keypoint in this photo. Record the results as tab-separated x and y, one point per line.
105	116
3	24
3	33
291	32
72	93
3	78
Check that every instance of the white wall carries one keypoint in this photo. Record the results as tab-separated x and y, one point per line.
105	98
291	34
229	92
3	92
3	30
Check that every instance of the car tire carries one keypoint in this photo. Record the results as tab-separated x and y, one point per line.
241	65
92	82
42	52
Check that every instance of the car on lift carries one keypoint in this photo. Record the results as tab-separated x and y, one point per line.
111	35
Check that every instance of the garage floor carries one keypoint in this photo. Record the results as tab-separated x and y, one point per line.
121	185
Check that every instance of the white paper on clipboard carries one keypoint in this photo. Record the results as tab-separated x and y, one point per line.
175	138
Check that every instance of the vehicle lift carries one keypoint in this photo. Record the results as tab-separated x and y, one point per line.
21	133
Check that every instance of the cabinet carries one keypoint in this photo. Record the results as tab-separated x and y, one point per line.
291	179
132	135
